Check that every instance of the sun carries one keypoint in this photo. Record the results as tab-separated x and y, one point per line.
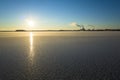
30	23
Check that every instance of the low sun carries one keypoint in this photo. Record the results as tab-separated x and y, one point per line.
30	22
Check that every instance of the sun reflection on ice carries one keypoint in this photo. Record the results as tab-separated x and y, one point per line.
31	54
31	39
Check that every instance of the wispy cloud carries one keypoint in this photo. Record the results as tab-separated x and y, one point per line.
91	25
76	24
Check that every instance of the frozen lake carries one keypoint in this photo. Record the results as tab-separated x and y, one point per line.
60	55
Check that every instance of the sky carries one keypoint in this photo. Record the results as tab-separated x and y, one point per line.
59	14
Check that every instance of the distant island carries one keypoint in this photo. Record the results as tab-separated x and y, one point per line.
20	30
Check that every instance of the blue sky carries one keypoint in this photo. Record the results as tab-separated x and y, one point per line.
59	14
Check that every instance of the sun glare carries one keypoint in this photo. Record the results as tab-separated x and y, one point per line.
30	22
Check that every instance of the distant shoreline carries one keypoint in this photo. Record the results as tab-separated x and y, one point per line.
61	31
57	30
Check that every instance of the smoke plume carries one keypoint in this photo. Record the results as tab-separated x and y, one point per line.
76	25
